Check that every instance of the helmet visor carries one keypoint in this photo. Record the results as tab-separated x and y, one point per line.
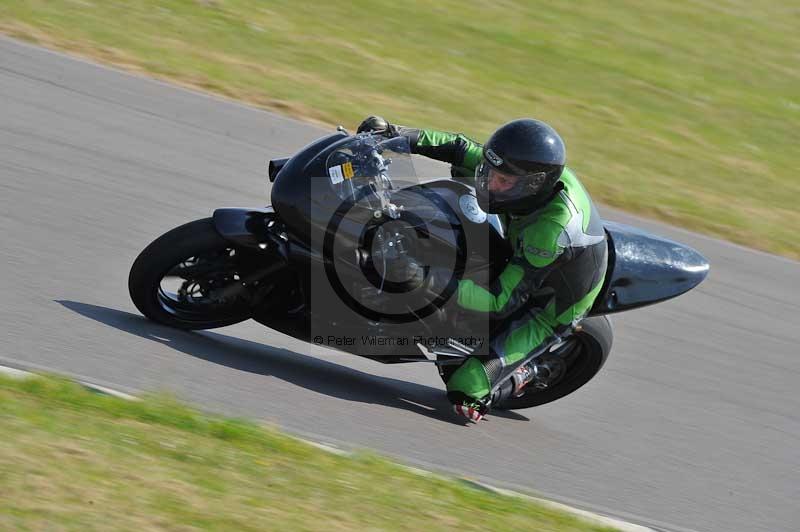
504	187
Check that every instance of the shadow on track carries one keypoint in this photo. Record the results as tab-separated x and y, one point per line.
311	373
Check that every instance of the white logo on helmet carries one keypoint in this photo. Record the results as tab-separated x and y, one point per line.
495	159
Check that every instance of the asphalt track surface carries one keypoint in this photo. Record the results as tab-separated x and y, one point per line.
694	423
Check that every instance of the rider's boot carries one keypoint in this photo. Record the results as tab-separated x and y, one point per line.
462	391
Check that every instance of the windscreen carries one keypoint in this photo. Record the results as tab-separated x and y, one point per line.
366	168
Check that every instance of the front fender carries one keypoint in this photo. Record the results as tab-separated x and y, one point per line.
244	227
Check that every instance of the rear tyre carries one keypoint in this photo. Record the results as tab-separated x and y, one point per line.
582	354
187	278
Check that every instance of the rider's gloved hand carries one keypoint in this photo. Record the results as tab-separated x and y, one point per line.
378	125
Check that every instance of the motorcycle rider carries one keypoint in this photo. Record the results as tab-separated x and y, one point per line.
556	235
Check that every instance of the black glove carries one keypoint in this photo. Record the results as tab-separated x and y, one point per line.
378	125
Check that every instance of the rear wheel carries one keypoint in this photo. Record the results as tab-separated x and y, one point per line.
572	364
192	278
568	366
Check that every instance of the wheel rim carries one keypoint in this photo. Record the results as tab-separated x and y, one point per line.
577	360
550	371
206	287
558	362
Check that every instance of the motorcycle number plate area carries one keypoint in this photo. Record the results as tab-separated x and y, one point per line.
340	172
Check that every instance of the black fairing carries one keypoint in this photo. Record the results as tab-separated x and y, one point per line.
481	246
305	202
486	248
297	197
646	269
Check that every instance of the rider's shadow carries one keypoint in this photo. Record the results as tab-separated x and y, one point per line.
302	370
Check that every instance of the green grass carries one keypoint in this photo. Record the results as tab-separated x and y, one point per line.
74	460
687	111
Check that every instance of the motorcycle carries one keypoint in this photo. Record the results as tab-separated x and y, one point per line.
341	256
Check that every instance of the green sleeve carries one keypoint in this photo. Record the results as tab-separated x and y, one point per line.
521	278
502	295
463	153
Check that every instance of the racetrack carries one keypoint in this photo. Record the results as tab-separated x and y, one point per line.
694	423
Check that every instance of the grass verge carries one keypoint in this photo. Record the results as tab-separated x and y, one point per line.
687	111
72	459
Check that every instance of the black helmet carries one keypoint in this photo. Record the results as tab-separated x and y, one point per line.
528	153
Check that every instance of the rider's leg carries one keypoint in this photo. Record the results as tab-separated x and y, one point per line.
516	341
472	382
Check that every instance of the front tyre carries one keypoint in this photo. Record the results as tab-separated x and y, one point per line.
191	278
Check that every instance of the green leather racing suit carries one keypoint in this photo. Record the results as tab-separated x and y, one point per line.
555	273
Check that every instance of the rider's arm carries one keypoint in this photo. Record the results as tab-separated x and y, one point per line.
463	153
537	257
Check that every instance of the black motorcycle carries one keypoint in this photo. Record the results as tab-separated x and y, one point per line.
341	259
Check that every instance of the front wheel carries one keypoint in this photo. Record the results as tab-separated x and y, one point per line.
192	278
